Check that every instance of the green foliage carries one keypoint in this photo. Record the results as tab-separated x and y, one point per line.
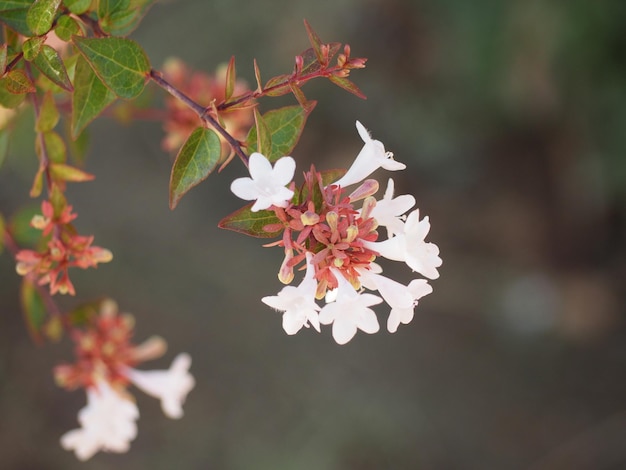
50	64
23	233
66	27
197	158
33	308
17	82
78	7
2	228
16	20
285	127
32	47
347	85
48	114
90	97
251	223
4	145
3	58
14	4
120	63
41	15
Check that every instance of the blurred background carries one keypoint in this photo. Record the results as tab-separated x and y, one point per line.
511	118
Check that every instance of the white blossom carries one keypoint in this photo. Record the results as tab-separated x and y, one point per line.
410	247
371	157
108	423
389	211
266	185
297	303
349	311
418	289
170	386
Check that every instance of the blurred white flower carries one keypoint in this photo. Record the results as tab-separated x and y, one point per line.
266	185
170	386
389	211
297	303
349	311
371	157
108	423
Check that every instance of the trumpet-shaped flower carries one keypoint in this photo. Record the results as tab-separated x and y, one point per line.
108	423
371	157
266	185
297	303
170	386
418	289
389	211
349	311
411	248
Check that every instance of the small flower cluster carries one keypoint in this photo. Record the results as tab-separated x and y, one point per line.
338	242
205	90
105	368
64	250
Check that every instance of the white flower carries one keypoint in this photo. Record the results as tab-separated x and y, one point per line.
411	248
298	303
349	311
418	289
388	211
170	386
371	157
266	185
108	423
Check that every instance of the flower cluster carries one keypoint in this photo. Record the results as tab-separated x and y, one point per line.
339	242
64	249
205	90
105	368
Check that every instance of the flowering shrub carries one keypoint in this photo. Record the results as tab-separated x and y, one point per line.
71	59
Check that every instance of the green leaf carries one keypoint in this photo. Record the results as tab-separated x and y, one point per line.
55	147
8	99
108	7
23	233
33	308
78	7
120	63
315	41
281	84
251	223
16	20
231	77
78	147
48	114
310	64
347	85
263	136
90	97
50	64
124	23
63	172
17	82
32	46
197	158
285	126
66	27
41	15
14	4
58	201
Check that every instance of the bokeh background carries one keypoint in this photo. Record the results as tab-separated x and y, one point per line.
511	118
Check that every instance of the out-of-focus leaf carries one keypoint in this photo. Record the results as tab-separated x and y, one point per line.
231	77
50	64
78	7
120	63
48	114
78	147
2	228
263	136
347	85
122	23
41	15
3	58
17	82
108	7
55	147
58	201
63	172
4	145
53	329
8	99
23	233
37	186
33	308
285	126
32	46
197	158
84	314
90	97
251	223
66	27
16	20
14	4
